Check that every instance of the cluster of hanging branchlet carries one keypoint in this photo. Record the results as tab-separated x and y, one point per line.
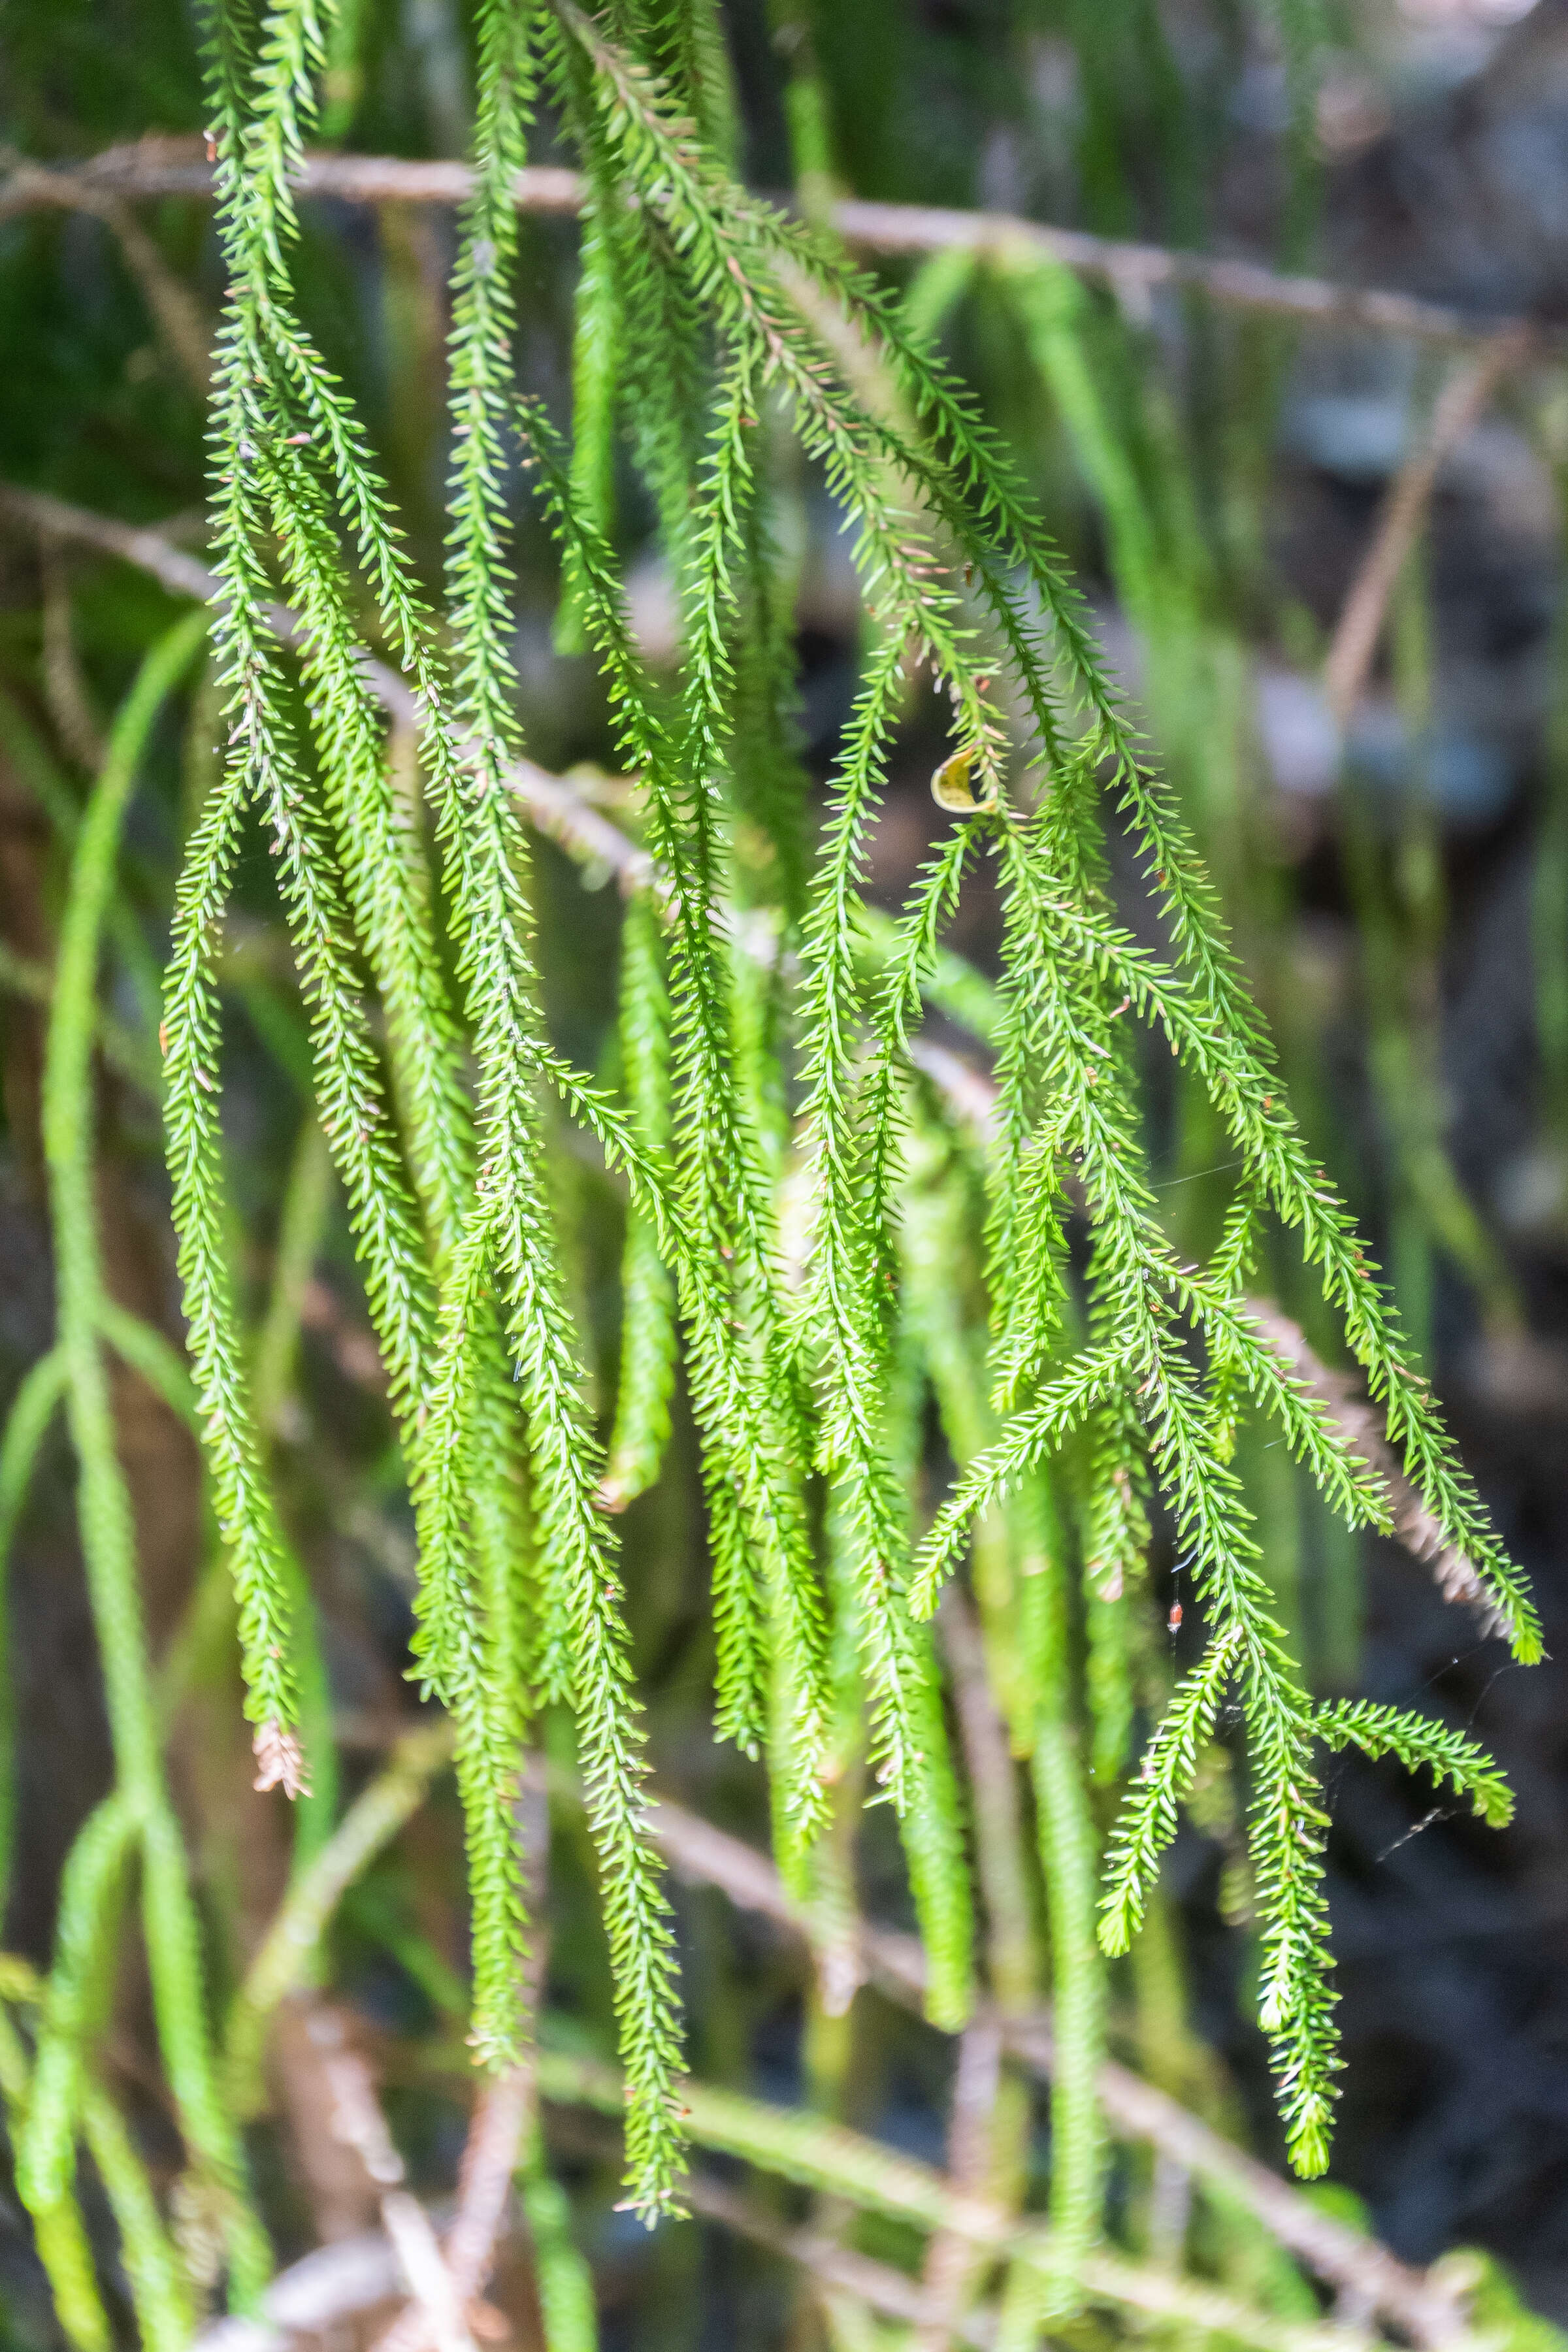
803	1201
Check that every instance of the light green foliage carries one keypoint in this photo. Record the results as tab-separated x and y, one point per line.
1497	2305
141	1806
91	1892
1303	30
1115	1541
1039	2296
43	2099
67	2257
647	1319
159	2293
565	2282
156	1359
795	1185
1421	1746
445	1375
26	1425
847	1256
282	1963
595	356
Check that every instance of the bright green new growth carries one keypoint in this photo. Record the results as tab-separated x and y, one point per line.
649	1339
807	1342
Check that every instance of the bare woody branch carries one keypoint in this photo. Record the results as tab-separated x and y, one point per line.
551	804
175	167
358	2124
1362	1426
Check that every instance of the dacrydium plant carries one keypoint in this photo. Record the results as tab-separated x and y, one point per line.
821	1237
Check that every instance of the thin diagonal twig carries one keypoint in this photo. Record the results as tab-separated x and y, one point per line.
1362	1426
1461	406
358	2123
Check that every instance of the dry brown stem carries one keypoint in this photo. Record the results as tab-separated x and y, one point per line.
164	167
355	2123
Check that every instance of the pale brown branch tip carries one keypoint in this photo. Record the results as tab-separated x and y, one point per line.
279	1760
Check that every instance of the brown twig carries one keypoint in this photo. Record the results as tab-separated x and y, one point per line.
358	2123
553	805
1461	406
436	2295
313	2296
338	2282
163	167
342	2199
1137	272
148	550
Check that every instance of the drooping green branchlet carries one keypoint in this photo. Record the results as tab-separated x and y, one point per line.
796	1169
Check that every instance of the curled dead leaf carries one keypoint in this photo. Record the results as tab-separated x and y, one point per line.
952	786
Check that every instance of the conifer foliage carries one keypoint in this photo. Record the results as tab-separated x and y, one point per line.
768	1028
